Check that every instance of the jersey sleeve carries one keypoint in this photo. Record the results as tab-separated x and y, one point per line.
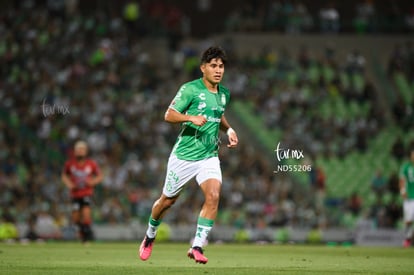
226	94
182	99
228	99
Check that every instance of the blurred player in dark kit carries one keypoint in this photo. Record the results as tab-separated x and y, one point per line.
81	174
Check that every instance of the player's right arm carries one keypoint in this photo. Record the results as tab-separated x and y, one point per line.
173	116
403	190
97	176
176	112
66	179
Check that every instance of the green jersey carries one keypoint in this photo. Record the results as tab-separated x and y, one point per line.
199	142
407	173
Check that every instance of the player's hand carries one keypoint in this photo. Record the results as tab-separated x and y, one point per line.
403	192
71	185
90	181
198	120
233	139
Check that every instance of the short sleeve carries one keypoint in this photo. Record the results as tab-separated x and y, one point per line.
182	99
228	99
225	96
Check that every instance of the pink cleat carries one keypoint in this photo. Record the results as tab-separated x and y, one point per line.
406	243
196	253
146	248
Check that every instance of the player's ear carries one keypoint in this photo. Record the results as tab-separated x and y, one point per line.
203	67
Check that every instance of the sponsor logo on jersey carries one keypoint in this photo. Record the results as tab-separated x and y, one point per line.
83	172
213	119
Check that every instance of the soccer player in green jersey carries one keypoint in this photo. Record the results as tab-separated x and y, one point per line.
407	192
199	106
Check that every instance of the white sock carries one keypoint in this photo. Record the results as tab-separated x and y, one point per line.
204	227
152	227
408	232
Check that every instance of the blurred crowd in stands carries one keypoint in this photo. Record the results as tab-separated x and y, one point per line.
311	93
66	76
401	72
293	17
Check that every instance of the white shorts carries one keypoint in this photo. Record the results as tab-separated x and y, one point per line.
179	172
408	208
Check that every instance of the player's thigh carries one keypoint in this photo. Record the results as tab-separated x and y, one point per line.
85	210
211	189
179	172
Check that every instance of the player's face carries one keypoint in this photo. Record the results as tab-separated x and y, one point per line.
213	71
80	152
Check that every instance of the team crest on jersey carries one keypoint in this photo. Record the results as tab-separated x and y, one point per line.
223	99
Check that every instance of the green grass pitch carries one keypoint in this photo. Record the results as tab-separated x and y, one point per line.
170	258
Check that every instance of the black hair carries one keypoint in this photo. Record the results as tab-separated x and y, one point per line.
213	53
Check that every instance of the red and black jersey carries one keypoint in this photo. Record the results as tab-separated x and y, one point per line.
78	173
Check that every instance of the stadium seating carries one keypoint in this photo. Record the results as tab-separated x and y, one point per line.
403	86
117	77
346	172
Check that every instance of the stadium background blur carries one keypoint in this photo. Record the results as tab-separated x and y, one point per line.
333	79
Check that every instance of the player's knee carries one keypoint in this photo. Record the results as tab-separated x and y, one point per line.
212	197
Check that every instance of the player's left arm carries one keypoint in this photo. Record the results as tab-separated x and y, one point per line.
403	188
65	177
232	135
96	178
